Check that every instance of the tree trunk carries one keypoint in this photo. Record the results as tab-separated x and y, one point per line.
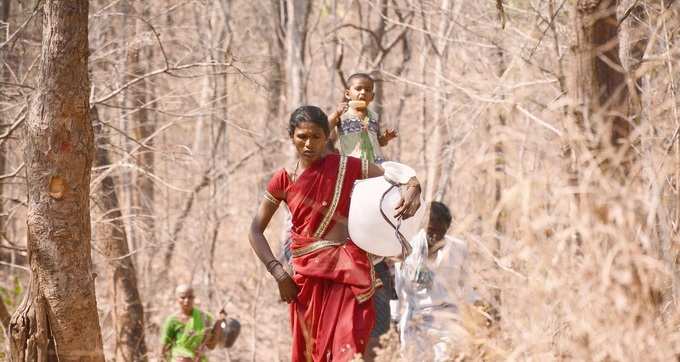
499	173
140	123
128	311
296	39
633	44
220	95
4	14
598	80
440	141
275	84
374	50
4	17
58	319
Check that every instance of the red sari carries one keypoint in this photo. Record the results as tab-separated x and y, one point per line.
332	316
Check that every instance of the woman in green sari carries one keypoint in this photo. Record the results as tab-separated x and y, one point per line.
187	334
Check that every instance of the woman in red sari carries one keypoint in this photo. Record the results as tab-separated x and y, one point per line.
333	282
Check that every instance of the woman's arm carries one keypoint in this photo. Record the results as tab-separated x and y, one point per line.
260	222
375	170
410	193
287	288
215	334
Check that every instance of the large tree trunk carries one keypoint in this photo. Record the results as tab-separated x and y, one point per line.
58	319
599	95
598	80
128	311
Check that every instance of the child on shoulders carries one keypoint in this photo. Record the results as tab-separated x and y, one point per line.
358	128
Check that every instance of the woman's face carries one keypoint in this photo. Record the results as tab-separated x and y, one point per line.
310	141
186	301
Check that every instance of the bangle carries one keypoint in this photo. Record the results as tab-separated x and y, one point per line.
279	273
276	270
270	265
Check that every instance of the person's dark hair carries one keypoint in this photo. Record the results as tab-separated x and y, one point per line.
440	213
308	114
363	76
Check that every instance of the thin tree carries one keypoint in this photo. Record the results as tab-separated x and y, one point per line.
140	121
297	17
276	48
439	149
57	320
128	311
4	17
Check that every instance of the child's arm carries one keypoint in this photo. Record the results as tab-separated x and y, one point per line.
385	137
334	118
332	139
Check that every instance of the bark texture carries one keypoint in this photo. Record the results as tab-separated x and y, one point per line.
58	318
598	79
128	310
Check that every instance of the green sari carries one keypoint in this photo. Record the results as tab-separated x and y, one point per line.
186	338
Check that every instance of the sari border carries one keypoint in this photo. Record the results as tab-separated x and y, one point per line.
364	168
315	246
321	230
369	293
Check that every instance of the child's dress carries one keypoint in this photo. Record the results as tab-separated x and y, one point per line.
359	137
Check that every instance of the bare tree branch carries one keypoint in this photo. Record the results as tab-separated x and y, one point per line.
21	27
13	173
17	122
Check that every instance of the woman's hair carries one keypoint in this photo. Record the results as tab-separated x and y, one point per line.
440	213
184	289
311	114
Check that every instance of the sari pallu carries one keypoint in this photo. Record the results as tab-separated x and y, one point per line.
331	318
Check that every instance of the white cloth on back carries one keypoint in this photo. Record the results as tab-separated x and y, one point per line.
431	288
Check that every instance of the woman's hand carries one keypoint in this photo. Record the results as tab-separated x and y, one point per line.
287	289
410	200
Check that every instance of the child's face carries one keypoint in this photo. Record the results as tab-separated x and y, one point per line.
436	229
360	89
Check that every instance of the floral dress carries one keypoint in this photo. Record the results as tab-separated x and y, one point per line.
359	137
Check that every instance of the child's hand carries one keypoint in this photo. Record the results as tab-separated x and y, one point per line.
335	116
341	108
388	135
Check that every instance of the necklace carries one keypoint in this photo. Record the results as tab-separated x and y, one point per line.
293	179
